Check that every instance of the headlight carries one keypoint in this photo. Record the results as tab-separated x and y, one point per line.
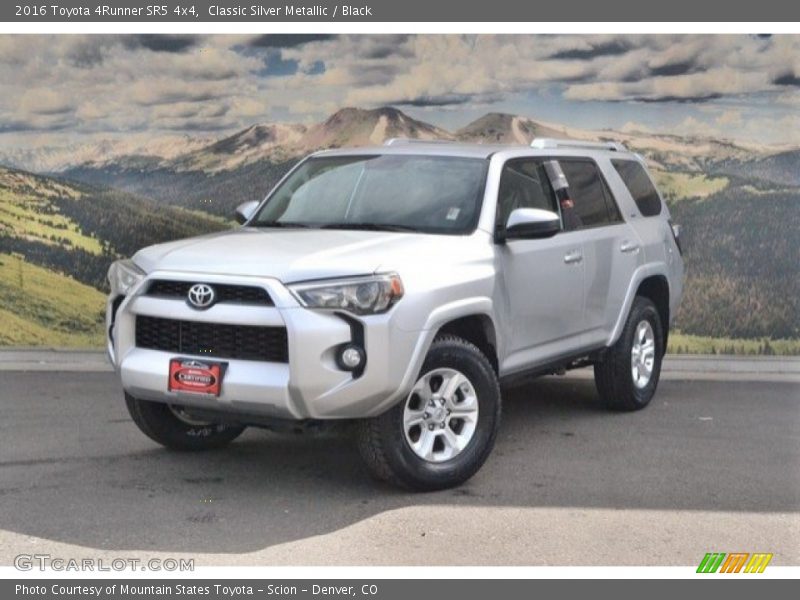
361	296
123	275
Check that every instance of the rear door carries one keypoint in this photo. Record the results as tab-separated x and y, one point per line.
652	221
612	249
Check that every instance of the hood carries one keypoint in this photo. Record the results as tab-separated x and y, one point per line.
292	255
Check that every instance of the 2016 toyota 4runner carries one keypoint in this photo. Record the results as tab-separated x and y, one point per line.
398	286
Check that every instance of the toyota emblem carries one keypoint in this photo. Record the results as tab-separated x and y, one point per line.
201	295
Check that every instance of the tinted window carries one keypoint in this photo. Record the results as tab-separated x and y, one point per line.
524	184
639	185
587	190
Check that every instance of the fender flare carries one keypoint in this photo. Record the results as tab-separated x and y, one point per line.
639	275
440	316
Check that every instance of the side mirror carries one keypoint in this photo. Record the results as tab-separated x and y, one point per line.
245	210
532	223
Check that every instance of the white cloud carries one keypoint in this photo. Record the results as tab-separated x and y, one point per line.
44	101
118	83
634	127
729	117
249	107
691	126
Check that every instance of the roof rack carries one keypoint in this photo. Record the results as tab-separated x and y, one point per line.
397	141
563	143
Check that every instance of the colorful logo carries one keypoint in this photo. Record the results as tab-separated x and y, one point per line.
735	562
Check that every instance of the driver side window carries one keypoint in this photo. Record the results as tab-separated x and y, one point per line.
524	184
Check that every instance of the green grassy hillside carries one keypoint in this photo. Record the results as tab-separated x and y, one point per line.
57	240
77	229
680	343
41	308
29	210
677	186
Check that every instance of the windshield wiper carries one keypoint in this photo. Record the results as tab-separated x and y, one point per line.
370	227
283	224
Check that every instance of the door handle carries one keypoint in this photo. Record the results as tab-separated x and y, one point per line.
629	246
573	257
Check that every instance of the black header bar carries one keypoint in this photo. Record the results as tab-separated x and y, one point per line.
473	11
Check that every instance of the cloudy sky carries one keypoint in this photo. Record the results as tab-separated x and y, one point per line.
68	87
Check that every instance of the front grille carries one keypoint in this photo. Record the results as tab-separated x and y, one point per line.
226	293
215	340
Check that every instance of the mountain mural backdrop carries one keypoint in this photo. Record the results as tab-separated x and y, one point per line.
67	212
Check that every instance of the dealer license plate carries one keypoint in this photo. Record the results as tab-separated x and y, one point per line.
198	376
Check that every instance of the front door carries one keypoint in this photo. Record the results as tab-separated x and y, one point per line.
543	277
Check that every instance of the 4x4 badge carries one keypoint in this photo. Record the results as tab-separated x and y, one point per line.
201	295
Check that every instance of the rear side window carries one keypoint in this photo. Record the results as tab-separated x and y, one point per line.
639	185
593	203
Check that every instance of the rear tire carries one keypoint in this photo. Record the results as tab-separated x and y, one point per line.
442	433
165	424
628	376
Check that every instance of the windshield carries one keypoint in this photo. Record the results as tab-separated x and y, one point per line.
429	194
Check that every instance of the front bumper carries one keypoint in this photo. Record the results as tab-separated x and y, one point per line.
309	386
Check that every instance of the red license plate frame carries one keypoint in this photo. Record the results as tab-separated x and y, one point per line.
195	376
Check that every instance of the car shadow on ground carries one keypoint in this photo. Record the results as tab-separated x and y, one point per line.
105	486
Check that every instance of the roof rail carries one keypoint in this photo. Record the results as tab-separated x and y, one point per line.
563	143
397	141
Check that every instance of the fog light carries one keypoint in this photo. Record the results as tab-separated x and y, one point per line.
351	357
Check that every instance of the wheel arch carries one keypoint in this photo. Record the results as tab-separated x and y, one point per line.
478	329
652	282
656	289
471	318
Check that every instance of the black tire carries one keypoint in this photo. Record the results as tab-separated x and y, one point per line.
158	422
382	440
614	376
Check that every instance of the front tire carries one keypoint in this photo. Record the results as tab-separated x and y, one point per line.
444	430
173	428
628	375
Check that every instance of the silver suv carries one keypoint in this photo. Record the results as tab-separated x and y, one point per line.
398	287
